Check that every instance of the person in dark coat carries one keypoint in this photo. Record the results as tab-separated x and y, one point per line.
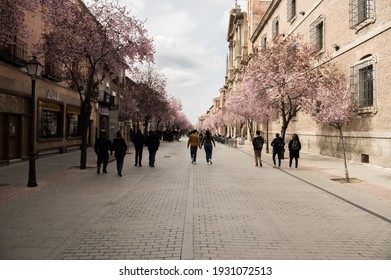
119	147
138	141
278	147
294	150
102	148
258	142
153	143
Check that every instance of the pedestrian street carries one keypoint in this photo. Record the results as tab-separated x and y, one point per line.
178	210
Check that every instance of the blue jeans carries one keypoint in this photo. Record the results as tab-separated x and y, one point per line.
193	153
208	151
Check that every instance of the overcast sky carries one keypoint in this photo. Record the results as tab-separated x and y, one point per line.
191	47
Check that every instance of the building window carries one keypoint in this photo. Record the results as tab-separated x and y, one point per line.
52	71
263	41
73	122
362	12
14	53
291	9
275	27
50	120
363	82
317	34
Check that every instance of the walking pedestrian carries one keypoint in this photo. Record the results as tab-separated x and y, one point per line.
138	141
258	142
294	150
278	146
207	142
119	147
194	143
102	148
153	143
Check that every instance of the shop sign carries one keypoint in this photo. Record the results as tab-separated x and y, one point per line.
73	110
49	106
53	95
104	110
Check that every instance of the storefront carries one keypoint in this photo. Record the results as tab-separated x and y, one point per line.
13	127
50	120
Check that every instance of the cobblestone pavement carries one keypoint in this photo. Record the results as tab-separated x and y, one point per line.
177	210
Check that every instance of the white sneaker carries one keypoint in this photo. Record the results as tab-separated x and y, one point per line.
210	162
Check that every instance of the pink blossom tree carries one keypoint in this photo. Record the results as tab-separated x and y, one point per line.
334	105
282	77
247	106
173	113
218	120
12	19
213	121
91	43
173	117
150	95
181	122
127	102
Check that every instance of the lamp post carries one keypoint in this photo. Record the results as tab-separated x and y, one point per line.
267	134
34	68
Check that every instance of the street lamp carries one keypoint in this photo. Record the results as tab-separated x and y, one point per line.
34	68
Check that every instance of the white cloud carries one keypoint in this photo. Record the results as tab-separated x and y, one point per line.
135	6
171	24
180	77
191	47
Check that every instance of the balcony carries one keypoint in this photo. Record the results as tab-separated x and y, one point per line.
15	54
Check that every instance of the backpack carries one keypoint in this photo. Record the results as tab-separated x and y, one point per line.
295	145
278	144
258	142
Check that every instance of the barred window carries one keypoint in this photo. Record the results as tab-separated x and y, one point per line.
362	81
291	9
317	33
275	27
361	13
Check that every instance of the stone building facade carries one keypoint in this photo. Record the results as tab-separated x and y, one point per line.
353	34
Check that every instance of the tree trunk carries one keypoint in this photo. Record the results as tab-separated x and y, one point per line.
146	122
250	128
283	133
85	123
344	155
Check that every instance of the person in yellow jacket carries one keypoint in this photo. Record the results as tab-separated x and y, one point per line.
194	144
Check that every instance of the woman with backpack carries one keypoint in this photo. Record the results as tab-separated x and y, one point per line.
294	150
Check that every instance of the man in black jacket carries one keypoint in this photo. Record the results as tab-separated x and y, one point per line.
278	148
153	143
102	148
138	141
